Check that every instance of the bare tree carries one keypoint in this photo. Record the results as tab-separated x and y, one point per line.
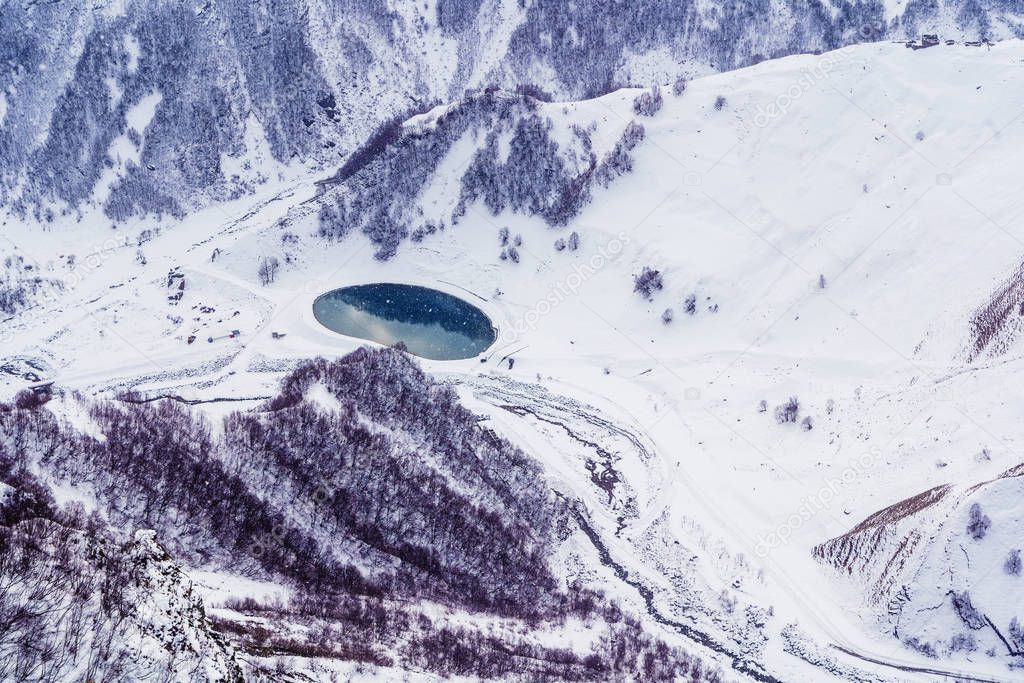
268	270
648	103
788	411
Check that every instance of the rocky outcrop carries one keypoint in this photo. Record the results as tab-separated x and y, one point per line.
78	605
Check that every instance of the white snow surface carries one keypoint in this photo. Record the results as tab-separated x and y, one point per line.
814	167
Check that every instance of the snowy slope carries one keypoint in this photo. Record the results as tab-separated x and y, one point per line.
160	108
839	220
942	568
79	607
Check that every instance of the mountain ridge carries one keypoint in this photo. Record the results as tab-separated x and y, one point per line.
161	108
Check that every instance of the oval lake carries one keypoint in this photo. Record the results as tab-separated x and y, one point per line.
431	323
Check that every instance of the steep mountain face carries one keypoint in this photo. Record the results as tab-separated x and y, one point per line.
300	491
364	487
941	568
157	108
996	324
501	150
79	605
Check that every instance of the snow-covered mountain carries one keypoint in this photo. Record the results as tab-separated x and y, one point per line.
80	606
142	108
399	533
943	568
735	316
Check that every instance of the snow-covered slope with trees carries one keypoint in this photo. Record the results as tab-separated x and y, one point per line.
768	323
79	605
403	532
160	107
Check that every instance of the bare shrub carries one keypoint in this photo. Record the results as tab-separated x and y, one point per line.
1012	566
979	522
788	411
649	102
267	271
647	282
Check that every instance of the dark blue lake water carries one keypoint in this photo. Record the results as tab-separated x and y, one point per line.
430	323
